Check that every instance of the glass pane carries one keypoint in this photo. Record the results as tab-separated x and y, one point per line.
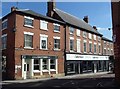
56	28
52	66
45	67
43	44
36	67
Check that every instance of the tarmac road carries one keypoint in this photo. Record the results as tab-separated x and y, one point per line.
77	82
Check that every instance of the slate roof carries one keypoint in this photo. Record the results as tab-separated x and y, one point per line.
70	19
106	39
30	12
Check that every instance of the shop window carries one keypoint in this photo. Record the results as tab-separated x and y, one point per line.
56	44
36	64
45	64
28	41
43	25
56	27
52	64
4	24
28	21
70	67
4	41
43	42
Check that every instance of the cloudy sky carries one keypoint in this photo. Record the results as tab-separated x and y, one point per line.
99	13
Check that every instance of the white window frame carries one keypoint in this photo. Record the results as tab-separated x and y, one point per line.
43	37
100	48
28	33
99	38
90	36
4	35
95	44
45	23
70	30
78	46
53	64
37	64
78	32
94	37
27	17
71	38
56	25
4	21
55	37
89	47
86	46
47	64
84	34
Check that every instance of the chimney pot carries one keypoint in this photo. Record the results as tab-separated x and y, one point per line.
85	19
95	27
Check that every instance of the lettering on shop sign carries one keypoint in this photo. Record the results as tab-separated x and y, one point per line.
79	57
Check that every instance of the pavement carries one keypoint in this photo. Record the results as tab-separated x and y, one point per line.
89	75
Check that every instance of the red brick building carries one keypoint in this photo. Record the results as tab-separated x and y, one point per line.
32	45
37	46
84	44
116	37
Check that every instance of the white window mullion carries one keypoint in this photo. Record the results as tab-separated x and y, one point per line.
49	66
56	66
41	66
32	67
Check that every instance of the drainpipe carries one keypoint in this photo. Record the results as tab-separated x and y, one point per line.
65	61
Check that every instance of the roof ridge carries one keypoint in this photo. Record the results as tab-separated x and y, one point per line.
69	14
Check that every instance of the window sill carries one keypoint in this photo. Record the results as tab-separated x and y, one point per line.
52	70
3	29
57	31
71	50
56	49
43	29
29	26
43	49
71	34
45	71
36	71
28	48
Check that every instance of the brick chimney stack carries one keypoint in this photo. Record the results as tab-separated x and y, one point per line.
50	7
85	19
13	8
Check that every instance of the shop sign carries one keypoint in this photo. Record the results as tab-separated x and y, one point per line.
85	57
38	56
